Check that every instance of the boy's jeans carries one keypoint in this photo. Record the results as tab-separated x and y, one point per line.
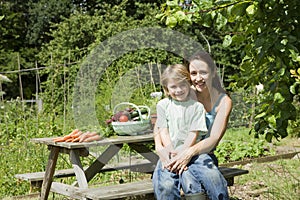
201	173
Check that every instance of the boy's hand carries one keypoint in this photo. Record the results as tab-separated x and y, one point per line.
164	156
179	163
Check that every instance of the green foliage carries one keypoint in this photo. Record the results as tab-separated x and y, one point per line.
21	153
41	14
17	122
229	151
13	24
241	111
237	145
295	74
268	34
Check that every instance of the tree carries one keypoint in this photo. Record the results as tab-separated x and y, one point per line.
268	34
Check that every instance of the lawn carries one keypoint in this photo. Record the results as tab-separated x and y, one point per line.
271	180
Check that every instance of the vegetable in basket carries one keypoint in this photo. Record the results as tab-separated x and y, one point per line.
130	113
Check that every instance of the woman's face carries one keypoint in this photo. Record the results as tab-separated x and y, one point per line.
200	75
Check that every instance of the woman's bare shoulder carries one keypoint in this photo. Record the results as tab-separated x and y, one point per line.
226	102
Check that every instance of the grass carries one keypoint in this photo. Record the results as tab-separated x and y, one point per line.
273	180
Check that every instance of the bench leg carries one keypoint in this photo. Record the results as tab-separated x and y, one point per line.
102	160
230	181
145	152
48	178
35	186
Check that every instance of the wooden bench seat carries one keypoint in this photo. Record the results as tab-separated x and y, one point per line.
113	191
36	178
133	189
120	191
230	173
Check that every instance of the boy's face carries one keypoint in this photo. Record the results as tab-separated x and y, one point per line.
178	90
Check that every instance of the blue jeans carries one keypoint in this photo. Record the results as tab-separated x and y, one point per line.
202	176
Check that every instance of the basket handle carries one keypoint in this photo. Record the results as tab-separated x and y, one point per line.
135	106
148	113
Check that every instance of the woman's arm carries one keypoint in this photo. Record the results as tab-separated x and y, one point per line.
162	150
208	144
218	128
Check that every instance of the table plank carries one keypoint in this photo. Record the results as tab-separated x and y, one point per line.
103	142
67	190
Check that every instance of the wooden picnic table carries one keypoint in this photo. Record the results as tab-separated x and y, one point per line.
85	173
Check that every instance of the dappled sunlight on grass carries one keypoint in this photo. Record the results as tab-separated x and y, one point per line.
273	180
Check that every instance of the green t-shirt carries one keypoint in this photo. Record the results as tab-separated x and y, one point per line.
181	117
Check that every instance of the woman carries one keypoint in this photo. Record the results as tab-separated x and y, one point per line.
198	161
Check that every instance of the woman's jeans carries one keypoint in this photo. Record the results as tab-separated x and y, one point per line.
202	176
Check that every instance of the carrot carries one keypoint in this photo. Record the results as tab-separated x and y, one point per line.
76	139
83	136
58	139
75	131
93	134
67	137
69	140
77	134
92	138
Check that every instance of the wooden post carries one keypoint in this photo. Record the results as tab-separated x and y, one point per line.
252	110
20	79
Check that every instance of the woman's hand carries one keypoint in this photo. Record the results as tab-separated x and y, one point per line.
179	163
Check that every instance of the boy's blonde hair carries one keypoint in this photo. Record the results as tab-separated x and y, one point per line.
178	73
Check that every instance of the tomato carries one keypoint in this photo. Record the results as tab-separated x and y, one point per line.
123	118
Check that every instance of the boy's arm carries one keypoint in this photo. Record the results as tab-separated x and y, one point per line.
188	142
166	139
191	139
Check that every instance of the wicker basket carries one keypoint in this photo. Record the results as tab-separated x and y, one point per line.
132	127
